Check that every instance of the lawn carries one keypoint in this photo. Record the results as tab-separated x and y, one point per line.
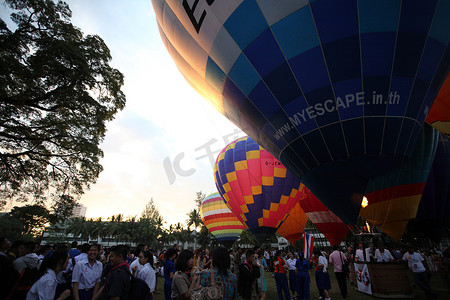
436	283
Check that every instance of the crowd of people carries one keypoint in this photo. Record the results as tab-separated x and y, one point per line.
87	271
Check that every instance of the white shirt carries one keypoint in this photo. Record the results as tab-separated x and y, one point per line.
415	262
323	261
386	256
368	252
86	275
291	264
147	274
44	288
77	259
359	255
60	277
135	263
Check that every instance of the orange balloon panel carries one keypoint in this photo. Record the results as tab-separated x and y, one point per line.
324	219
294	224
439	114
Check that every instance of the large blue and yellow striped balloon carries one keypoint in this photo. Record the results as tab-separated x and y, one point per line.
337	90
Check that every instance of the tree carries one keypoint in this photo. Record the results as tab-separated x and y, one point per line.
151	211
204	237
57	91
10	227
194	218
199	199
32	217
247	238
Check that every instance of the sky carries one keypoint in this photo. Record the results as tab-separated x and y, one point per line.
156	148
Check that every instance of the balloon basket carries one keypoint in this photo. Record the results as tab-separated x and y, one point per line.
382	280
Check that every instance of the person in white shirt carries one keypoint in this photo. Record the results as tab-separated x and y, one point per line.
135	265
359	254
290	262
30	259
45	287
86	275
370	253
383	255
323	280
146	273
415	263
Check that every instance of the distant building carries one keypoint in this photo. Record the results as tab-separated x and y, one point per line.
79	211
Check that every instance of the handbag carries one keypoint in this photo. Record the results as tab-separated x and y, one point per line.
212	292
345	266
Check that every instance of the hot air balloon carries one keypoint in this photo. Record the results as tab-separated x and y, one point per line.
256	187
294	224
439	114
325	220
432	217
219	220
336	90
393	199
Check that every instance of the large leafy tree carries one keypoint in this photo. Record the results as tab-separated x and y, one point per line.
57	91
32	217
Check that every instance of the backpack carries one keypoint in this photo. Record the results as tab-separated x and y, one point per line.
27	278
139	289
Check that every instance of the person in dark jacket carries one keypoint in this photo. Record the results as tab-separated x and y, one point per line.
117	285
248	273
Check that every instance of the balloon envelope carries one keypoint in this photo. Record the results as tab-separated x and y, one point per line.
432	217
294	224
256	187
219	219
336	90
393	199
325	220
439	114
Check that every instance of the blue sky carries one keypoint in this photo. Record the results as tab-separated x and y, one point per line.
163	118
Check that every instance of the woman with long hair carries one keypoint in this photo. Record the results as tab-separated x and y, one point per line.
147	273
45	287
220	265
280	276
86	275
183	282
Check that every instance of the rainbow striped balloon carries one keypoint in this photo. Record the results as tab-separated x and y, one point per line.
219	219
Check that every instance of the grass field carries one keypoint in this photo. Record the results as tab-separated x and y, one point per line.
437	284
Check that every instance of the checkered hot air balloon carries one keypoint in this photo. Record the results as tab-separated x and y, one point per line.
337	90
219	220
257	188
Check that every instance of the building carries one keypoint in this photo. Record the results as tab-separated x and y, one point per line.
79	211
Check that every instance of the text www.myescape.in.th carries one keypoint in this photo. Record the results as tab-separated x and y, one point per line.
328	106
